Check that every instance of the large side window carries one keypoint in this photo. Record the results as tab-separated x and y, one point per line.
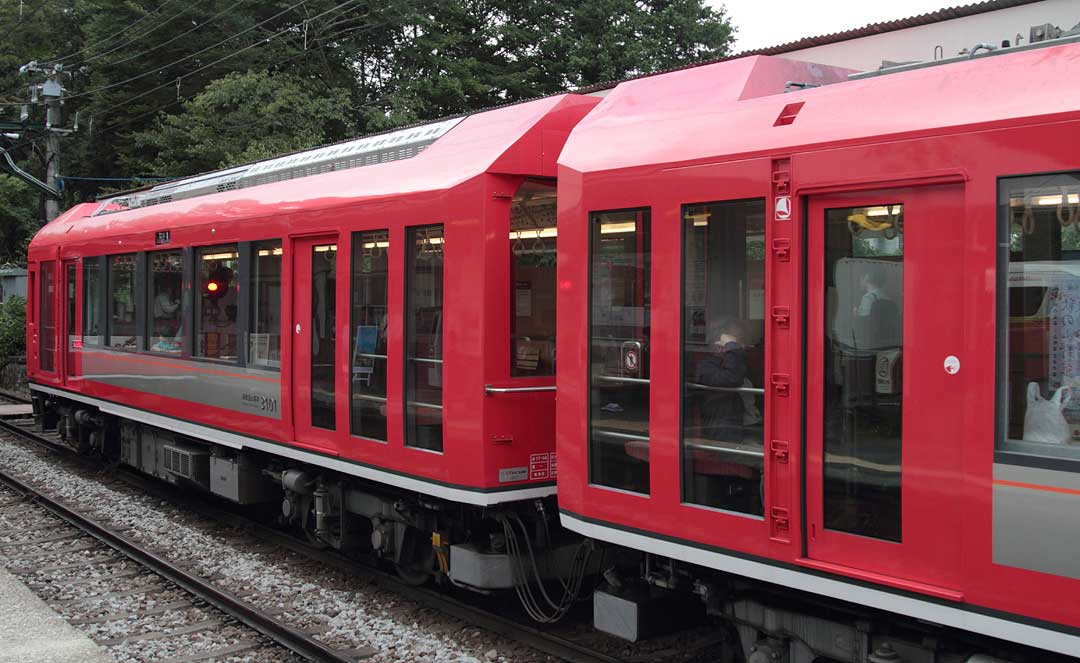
47	317
423	338
93	329
723	350
264	337
217	289
122	302
532	280
1039	315
370	270
164	294
619	305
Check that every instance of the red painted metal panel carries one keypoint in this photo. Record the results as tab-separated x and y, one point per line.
681	138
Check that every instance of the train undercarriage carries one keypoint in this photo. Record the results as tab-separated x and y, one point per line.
520	547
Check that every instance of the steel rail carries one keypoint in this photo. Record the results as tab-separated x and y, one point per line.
524	633
286	636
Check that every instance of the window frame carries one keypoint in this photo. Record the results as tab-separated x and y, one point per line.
45	303
148	291
408	338
241	314
1006	450
683	236
355	237
102	265
137	296
511	327
247	274
591	218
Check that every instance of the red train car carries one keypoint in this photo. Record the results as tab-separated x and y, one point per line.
825	340
371	323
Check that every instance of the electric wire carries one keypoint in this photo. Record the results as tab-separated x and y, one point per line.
84	49
264	40
181	35
526	573
158	70
152	30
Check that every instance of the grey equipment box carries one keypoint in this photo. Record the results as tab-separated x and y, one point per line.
637	613
237	481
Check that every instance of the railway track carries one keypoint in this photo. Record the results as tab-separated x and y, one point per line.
131	598
575	648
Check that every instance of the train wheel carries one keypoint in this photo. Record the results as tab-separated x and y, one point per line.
416	563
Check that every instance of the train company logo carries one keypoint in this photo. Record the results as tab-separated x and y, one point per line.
783	208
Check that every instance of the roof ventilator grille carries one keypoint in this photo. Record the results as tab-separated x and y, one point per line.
382	148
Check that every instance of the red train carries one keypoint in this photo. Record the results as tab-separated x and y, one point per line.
850	436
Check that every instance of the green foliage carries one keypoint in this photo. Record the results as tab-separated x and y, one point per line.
13	327
166	88
18	218
240	118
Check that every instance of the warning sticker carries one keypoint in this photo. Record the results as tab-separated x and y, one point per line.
542	466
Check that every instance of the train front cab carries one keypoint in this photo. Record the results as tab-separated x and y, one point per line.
782	320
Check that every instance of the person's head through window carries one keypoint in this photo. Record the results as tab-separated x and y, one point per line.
872	283
726	335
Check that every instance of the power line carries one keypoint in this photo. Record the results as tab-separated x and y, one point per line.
158	70
115	34
183	34
262	41
141	36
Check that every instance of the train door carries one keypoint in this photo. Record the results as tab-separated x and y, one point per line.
314	341
883	403
72	342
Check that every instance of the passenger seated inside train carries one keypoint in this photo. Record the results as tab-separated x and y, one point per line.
724	423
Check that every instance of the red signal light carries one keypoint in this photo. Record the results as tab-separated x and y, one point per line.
212	286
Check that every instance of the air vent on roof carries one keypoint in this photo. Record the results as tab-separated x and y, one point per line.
383	148
788	114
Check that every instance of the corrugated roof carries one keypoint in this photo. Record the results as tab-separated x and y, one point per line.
946	14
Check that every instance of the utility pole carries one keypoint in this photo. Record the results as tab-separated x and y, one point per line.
50	93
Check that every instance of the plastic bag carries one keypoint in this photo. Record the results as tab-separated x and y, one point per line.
1043	421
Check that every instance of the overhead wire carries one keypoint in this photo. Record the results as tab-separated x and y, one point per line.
181	35
149	32
232	54
158	70
84	49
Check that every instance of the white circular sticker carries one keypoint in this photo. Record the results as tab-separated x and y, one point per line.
952	365
298	328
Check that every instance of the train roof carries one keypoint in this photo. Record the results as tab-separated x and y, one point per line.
520	139
738	109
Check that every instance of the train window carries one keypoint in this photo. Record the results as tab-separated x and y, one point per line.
216	301
69	317
122	302
863	400
264	335
1039	316
724	355
532	280
370	275
93	327
423	338
323	337
619	302
47	317
166	285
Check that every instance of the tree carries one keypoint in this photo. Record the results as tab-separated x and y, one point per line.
18	218
241	118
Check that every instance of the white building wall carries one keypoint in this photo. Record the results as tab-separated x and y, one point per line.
919	43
